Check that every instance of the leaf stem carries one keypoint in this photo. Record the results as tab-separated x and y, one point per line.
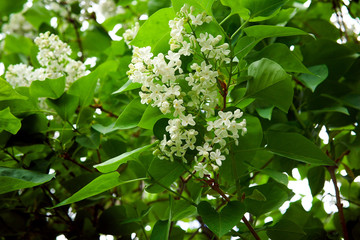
239	29
225	19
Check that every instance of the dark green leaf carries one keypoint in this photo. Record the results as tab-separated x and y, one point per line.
65	106
222	222
273	195
163	173
91	141
15	179
285	229
160	230
316	177
281	54
300	149
18	44
151	116
320	73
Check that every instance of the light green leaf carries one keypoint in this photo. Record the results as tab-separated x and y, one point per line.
7	92
129	85
222	222
49	88
91	141
266	31
300	149
285	229
157	26
244	46
131	115
254	10
18	44
15	179
7	7
100	184
320	73
38	15
113	163
281	54
151	116
199	5
270	83
277	176
9	122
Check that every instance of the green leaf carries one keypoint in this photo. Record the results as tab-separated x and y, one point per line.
91	141
277	176
270	83
7	92
281	54
131	115
113	163
160	230
270	196
199	5
254	10
300	149
85	86
49	88
7	7
117	221
222	222
100	184
316	177
65	106
266	31
9	122
320	73
129	85
163	173
244	46
15	179
157	26
18	44
38	15
285	229
150	117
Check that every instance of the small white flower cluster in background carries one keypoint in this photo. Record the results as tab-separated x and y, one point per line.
17	24
130	34
54	57
163	81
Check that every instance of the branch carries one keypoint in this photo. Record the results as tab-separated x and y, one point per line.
99	106
338	202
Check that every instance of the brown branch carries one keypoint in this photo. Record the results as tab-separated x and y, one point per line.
99	106
338	202
78	38
66	156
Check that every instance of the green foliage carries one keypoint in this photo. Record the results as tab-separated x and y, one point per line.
88	147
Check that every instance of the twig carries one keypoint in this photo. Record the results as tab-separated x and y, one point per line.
66	156
99	106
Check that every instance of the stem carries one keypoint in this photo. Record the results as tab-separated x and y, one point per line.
251	229
239	29
338	202
225	19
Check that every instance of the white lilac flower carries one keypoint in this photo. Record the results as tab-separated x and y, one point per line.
217	157
55	61
201	169
17	24
131	33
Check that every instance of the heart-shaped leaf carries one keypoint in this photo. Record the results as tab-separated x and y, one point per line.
221	223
